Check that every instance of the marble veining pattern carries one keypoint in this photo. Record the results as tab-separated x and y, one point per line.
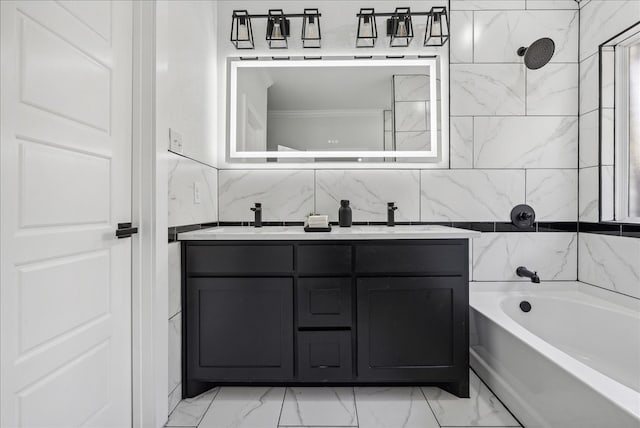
286	195
461	142
588	199
175	351
189	412
487	4
342	407
589	139
553	90
602	19
393	407
487	89
174	279
244	407
497	255
183	210
589	84
323	406
470	195
553	193
499	34
525	142
611	262
411	116
411	88
483	409
462	43
369	192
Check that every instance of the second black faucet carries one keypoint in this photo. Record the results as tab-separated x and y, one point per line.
391	209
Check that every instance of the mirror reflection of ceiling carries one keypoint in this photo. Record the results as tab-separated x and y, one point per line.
327	88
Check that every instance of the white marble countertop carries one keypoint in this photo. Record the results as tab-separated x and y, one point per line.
296	233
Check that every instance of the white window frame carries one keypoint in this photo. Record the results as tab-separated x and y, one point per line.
622	140
431	63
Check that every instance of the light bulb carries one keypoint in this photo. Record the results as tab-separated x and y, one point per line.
243	32
276	33
402	29
366	30
436	28
312	29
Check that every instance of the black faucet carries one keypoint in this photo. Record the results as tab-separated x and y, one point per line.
257	210
526	273
391	221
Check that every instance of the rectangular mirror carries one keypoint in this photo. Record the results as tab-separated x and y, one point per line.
331	110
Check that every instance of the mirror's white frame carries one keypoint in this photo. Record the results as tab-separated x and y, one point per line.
431	62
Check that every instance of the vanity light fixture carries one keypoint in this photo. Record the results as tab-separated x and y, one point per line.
400	28
277	29
437	32
367	31
241	31
311	29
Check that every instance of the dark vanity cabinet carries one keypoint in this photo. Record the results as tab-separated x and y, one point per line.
312	312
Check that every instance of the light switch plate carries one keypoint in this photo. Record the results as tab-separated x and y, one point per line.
196	193
175	141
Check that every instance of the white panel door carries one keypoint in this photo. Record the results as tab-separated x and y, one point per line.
65	297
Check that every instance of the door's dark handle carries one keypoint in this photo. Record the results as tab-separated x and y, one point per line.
125	230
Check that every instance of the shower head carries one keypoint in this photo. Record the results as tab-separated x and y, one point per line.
538	54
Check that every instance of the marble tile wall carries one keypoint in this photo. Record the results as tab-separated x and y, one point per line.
184	175
175	327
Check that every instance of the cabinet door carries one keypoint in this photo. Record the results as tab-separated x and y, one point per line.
239	328
324	302
412	328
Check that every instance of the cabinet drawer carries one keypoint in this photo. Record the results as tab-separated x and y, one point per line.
324	302
324	259
239	259
324	355
438	257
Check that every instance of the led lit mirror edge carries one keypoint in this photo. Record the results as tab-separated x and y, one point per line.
440	158
610	205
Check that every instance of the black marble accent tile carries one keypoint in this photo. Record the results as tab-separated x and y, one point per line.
231	223
510	227
478	226
560	226
600	228
272	223
402	223
359	223
188	228
432	223
208	225
294	223
377	223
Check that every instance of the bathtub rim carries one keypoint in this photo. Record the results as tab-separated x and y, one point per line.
485	298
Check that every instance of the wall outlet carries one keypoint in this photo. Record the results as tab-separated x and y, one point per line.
175	141
196	193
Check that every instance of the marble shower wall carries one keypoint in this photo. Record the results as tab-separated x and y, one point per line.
514	139
609	262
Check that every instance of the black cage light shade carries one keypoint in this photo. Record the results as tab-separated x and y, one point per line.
277	29
437	32
241	31
400	28
311	36
367	32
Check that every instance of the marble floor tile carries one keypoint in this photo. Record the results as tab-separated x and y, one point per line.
245	407
482	409
321	406
390	407
189	412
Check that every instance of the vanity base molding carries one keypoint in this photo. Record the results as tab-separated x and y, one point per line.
361	312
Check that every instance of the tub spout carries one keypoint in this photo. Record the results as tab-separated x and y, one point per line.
526	273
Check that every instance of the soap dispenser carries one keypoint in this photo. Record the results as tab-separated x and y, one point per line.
344	214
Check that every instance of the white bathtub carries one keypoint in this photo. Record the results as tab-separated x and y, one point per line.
572	361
